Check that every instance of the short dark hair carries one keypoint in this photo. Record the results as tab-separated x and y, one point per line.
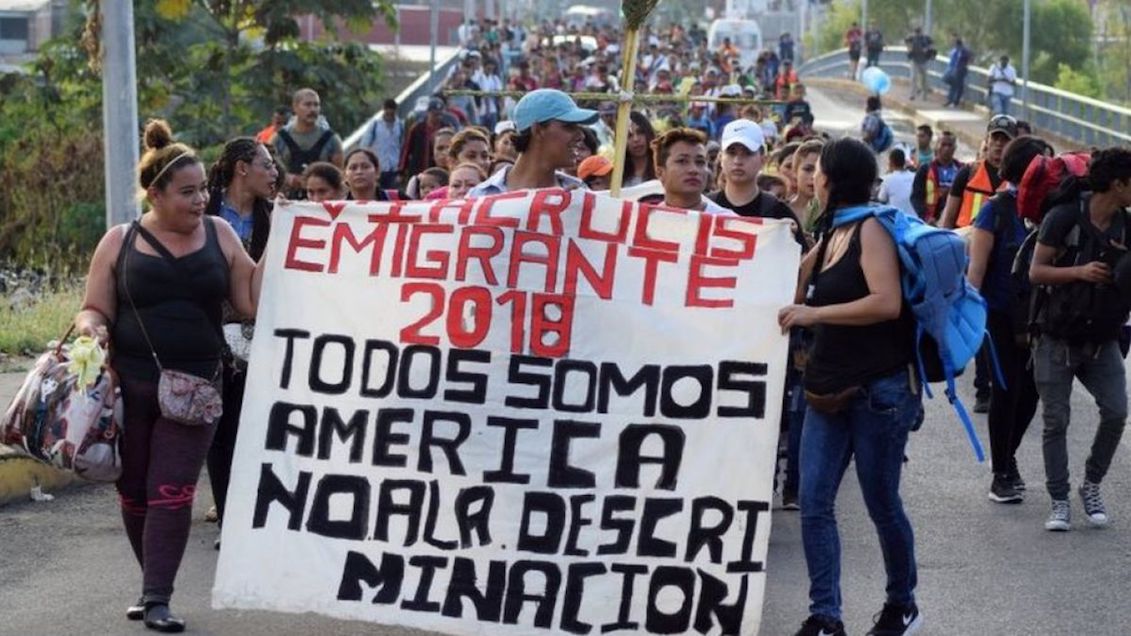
522	140
897	158
1019	154
1108	166
662	145
926	128
390	103
873	103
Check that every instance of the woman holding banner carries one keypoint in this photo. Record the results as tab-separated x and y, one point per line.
862	397
154	291
241	184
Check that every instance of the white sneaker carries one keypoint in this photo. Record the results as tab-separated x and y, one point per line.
1093	503
1060	518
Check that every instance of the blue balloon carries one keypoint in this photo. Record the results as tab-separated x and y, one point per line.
876	81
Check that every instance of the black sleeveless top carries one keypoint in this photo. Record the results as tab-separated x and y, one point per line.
844	356
178	301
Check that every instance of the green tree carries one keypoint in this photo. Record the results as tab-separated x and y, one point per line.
1082	82
214	68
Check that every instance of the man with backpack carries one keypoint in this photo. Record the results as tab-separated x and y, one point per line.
874	130
995	241
973	186
306	140
1080	259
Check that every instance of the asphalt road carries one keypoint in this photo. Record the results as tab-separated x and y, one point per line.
984	568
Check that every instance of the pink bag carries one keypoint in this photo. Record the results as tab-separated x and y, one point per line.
189	399
77	431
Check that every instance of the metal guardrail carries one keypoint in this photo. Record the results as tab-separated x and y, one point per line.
406	101
1086	121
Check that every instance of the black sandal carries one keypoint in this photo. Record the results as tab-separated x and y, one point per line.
136	612
159	619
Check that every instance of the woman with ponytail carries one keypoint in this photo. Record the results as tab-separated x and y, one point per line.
155	292
861	393
240	186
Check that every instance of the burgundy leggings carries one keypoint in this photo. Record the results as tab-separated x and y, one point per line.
161	462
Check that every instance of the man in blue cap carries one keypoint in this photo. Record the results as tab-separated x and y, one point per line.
549	127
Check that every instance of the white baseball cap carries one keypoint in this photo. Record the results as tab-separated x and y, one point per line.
731	90
745	132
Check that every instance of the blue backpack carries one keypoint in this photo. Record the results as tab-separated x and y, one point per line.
950	315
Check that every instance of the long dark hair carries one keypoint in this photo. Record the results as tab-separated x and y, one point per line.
850	167
220	176
649	132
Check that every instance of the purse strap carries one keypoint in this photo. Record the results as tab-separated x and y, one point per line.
131	238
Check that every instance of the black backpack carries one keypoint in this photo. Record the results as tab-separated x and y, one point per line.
300	158
1077	312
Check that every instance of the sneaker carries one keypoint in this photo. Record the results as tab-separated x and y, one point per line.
821	626
1015	476
1003	491
1093	503
1060	518
897	620
982	404
789	501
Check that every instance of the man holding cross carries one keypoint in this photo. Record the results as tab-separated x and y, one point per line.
549	126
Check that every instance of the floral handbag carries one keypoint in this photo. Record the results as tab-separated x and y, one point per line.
66	418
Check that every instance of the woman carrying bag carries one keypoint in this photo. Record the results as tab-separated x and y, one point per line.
862	396
154	293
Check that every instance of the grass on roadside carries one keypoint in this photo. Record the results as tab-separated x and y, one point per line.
27	331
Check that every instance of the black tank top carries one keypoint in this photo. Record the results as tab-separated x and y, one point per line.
178	300
844	356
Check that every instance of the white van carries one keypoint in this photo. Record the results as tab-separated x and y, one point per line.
578	14
746	35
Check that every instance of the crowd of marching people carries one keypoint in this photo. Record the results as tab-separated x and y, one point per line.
852	389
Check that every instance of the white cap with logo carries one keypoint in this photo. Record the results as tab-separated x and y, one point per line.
746	132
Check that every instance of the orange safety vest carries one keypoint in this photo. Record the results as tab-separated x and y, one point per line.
784	83
978	189
932	201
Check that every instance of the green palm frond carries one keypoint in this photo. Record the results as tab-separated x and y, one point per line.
636	12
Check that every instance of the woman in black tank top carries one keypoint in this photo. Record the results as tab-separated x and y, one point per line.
176	266
861	400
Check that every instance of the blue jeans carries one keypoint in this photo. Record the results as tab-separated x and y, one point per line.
999	104
1100	369
873	427
957	88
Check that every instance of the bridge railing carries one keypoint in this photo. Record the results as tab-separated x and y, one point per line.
1086	121
424	86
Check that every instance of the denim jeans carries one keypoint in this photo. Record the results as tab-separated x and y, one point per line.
999	104
874	429
957	88
1100	369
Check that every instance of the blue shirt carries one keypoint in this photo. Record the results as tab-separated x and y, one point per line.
497	183
242	225
997	284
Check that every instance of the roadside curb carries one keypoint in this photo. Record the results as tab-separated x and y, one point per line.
20	473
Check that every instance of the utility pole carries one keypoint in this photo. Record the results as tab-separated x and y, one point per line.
119	111
1025	60
927	20
864	17
434	33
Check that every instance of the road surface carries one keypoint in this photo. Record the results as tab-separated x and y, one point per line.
984	568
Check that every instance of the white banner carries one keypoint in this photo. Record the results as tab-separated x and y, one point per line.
530	413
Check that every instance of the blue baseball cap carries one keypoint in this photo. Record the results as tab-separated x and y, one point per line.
547	104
